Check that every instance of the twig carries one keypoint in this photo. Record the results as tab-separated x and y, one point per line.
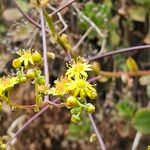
100	140
46	72
119	74
94	79
44	103
62	7
27	124
87	19
31	39
82	39
136	141
103	46
28	17
97	132
130	49
97	29
15	123
60	18
33	21
30	121
102	34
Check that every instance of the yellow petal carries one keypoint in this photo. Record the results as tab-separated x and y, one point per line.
76	92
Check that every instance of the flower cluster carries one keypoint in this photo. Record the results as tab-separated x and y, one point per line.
73	88
60	88
27	57
27	70
7	83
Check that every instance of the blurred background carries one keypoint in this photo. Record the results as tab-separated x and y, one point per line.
125	23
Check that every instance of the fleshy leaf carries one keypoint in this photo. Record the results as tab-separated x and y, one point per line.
141	120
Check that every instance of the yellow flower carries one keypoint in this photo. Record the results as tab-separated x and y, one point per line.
27	57
43	89
7	82
60	88
78	69
82	88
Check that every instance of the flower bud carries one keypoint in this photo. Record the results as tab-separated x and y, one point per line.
16	63
36	109
41	80
38	73
30	74
71	101
89	108
64	38
50	55
96	67
22	78
36	57
75	118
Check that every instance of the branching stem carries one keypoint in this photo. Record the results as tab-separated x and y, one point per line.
97	132
33	21
27	124
34	117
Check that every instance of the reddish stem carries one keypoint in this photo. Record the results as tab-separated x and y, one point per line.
30	121
130	49
33	21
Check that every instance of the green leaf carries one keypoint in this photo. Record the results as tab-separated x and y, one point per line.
49	22
99	13
89	7
53	37
141	120
126	108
